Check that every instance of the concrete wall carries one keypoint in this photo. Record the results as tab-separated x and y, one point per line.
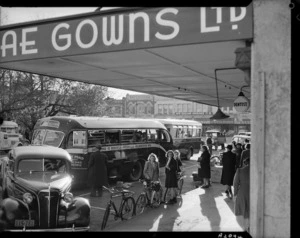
271	110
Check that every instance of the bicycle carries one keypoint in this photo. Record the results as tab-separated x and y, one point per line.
150	187
126	209
180	178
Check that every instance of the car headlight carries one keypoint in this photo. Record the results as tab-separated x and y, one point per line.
27	198
68	197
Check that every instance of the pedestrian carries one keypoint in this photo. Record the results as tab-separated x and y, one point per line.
204	161
209	144
241	189
233	146
238	152
97	171
151	170
171	176
245	154
228	170
178	166
178	160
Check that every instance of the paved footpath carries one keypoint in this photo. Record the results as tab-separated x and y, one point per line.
197	210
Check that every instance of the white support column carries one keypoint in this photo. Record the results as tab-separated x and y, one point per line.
270	122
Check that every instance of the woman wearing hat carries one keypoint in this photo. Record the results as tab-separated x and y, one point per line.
228	171
171	176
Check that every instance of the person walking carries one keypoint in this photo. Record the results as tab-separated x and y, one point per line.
204	160
171	176
97	172
245	154
241	189
228	170
209	144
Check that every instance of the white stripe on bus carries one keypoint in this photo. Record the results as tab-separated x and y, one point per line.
112	148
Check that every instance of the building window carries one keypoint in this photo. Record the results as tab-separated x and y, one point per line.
179	108
189	107
165	108
171	109
149	109
184	107
160	109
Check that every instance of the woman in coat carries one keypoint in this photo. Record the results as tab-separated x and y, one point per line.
241	189
204	160
171	176
228	171
151	168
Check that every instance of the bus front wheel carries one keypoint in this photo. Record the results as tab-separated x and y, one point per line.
136	172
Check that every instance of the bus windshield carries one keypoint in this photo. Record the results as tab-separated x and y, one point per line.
47	137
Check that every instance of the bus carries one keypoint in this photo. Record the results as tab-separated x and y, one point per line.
9	136
186	135
126	141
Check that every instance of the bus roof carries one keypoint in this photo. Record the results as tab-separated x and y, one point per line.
180	122
9	124
112	123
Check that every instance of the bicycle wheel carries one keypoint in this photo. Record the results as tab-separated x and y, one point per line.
105	217
156	199
140	204
180	185
127	208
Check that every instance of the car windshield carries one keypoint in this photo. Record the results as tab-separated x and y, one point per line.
47	137
42	165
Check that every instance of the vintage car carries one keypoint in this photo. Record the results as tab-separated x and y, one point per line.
241	138
36	192
218	138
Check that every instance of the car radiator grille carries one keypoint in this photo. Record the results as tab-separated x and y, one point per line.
48	208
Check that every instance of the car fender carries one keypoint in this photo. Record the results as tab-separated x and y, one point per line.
78	212
13	209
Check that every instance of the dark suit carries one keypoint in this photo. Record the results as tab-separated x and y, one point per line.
97	172
228	170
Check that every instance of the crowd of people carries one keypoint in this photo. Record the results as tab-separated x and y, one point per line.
235	173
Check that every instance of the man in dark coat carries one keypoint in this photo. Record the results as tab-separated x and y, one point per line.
228	170
97	172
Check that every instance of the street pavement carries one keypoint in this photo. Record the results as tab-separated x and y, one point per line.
197	209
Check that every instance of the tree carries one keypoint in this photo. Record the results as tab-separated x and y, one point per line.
26	97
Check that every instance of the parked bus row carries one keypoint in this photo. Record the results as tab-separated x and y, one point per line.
126	141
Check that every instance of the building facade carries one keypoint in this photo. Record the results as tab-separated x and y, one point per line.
151	106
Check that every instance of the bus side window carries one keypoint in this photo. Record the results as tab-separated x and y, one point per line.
152	135
164	136
95	136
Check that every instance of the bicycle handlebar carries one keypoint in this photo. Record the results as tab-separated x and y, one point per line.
113	190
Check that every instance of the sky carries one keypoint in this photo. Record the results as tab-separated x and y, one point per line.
13	15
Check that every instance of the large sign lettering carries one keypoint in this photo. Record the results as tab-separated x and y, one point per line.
124	30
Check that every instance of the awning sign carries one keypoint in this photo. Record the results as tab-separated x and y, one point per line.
124	30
